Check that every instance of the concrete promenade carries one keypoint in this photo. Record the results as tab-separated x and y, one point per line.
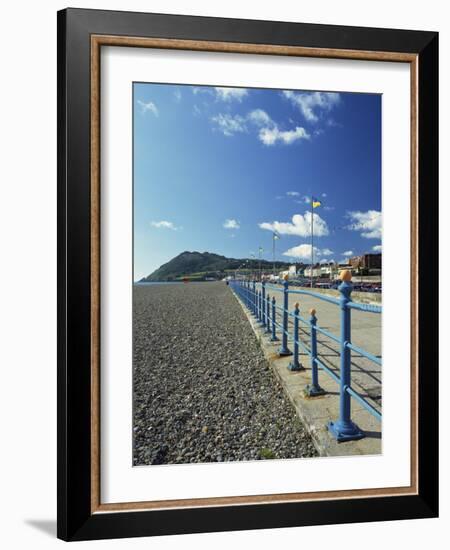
366	375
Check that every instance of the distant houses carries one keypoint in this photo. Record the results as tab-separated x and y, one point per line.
366	264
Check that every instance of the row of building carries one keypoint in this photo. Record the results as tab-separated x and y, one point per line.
366	264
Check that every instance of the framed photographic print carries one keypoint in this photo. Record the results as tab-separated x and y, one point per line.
247	212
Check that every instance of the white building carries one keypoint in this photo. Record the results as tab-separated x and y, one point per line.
290	272
316	271
327	271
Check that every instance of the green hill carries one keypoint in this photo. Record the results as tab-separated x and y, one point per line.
201	265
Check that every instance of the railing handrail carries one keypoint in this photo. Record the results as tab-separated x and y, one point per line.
329	299
372	308
328	334
364	353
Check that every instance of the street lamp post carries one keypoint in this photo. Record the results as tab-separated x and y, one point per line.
253	271
275	237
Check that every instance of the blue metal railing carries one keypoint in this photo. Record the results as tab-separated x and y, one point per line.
275	319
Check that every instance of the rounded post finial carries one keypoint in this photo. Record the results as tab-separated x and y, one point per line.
312	312
285	277
297	305
345	275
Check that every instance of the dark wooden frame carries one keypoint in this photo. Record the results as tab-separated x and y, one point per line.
81	33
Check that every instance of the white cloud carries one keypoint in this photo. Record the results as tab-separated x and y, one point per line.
196	90
270	136
348	253
324	195
260	118
377	248
163	224
269	131
231	224
300	226
303	252
368	223
149	107
231	94
333	124
177	95
304	200
292	193
311	104
221	93
229	124
327	251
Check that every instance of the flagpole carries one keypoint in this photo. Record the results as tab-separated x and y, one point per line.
312	239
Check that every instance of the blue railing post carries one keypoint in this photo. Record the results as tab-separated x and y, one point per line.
295	364
263	303
344	429
267	314
259	307
254	298
284	350
274	337
313	389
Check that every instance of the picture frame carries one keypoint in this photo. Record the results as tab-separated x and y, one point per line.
81	35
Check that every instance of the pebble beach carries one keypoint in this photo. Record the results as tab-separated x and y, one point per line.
202	389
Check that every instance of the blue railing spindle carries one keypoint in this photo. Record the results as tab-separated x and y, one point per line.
284	350
295	364
313	389
274	337
267	314
263	284
259	306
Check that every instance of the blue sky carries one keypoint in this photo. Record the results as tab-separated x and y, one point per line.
219	169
